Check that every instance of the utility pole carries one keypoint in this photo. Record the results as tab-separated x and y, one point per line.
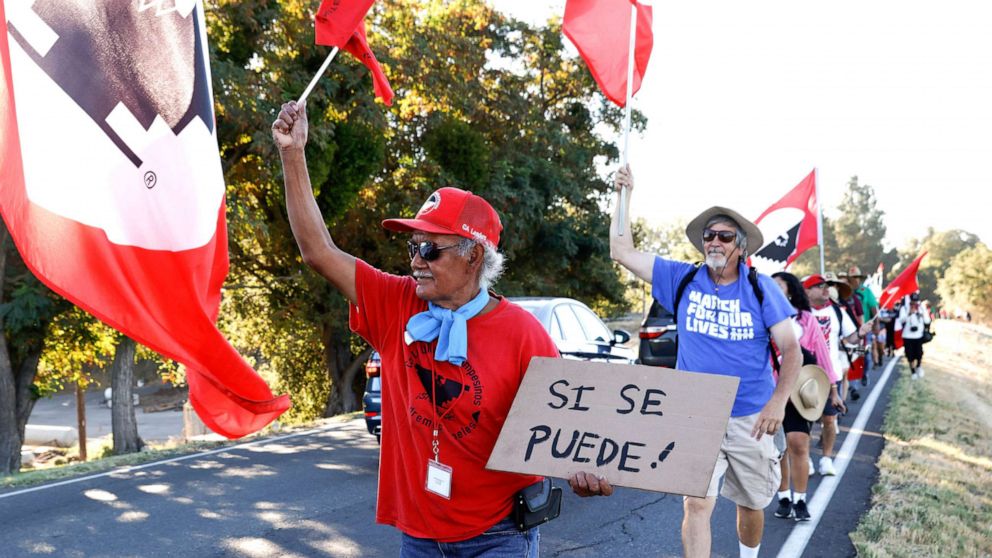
81	419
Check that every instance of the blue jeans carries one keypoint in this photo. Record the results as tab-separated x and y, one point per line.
502	540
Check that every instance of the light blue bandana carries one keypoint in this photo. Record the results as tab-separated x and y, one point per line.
450	328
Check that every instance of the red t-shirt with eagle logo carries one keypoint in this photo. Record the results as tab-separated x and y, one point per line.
472	403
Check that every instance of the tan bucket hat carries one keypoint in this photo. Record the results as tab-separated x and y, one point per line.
855	272
694	230
843	288
809	396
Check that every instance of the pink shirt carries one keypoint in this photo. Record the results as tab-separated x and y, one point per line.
812	340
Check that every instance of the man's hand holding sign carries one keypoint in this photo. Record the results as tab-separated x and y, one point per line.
604	424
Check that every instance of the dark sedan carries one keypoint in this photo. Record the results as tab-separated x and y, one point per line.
658	338
372	400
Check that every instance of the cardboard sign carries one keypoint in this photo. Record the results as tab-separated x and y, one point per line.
639	426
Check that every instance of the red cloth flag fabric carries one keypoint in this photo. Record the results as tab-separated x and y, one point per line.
857	369
341	23
111	184
358	46
791	224
904	284
600	30
336	20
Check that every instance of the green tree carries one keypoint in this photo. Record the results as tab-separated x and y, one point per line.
26	308
483	103
669	241
967	283
859	230
942	247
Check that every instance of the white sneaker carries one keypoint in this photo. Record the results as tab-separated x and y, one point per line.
827	467
812	469
919	372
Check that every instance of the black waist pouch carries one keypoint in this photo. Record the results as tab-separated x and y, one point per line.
536	504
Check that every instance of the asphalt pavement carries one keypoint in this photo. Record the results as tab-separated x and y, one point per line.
313	494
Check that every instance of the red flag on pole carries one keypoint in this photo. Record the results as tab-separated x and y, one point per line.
112	188
791	224
902	285
358	46
597	29
341	23
336	20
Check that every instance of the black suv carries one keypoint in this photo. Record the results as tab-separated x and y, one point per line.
372	400
658	338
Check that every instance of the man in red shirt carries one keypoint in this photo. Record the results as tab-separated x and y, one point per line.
453	356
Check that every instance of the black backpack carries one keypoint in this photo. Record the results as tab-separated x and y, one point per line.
752	278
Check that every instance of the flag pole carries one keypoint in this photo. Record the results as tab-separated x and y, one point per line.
626	114
819	217
316	78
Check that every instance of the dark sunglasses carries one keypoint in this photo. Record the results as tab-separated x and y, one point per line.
724	236
428	250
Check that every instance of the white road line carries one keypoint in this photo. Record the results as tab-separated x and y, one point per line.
129	469
803	530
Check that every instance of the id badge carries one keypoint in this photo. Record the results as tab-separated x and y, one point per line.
438	478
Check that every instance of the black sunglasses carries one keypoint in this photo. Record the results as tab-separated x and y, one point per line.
724	236
428	250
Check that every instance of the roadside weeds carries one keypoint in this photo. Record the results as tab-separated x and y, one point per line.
934	493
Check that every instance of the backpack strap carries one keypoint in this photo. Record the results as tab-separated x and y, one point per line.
680	290
752	277
840	328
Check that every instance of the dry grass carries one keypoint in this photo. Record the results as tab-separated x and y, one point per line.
934	495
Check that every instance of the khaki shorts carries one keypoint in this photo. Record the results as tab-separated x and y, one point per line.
749	467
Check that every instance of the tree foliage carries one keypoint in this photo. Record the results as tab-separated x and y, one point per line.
26	309
860	231
483	103
966	284
942	248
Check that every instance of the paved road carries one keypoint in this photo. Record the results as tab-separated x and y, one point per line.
313	494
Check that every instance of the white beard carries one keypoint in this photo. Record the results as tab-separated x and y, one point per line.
716	261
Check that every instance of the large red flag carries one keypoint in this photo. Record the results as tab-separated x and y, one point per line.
111	183
599	29
904	284
791	224
336	20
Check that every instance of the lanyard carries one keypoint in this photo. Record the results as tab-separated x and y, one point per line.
434	421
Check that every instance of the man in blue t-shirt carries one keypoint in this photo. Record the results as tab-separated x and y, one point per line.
724	329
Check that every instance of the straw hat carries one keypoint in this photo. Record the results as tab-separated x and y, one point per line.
809	396
694	230
855	272
843	288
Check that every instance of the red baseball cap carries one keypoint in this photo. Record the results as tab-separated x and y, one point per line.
453	211
813	280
